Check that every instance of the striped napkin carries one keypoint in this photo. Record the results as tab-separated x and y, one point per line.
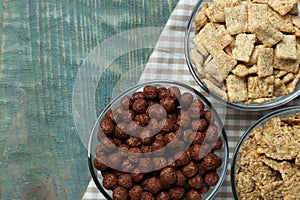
168	62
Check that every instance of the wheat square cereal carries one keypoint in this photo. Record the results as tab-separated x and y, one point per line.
198	45
244	45
215	89
236	19
256	13
225	64
254	55
214	39
287	48
201	19
219	7
260	87
236	88
286	65
282	6
282	23
265	62
209	12
207	38
223	36
243	71
212	69
267	34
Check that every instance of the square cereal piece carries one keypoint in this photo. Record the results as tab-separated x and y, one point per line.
254	55
286	65
236	19
201	19
207	38
243	71
200	47
225	64
256	13
287	48
219	7
215	89
197	60
209	12
267	34
282	23
260	87
296	21
223	36
282	6
236	88
244	45
265	62
211	69
214	39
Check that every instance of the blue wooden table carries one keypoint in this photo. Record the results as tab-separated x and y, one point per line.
42	47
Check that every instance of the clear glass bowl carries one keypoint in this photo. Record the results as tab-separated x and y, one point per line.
223	153
282	113
188	46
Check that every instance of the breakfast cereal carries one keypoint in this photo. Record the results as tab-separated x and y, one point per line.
268	167
256	41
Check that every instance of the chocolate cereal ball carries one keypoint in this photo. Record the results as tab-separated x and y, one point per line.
211	178
120	193
110	181
163	196
168	175
193	195
152	185
176	193
147	196
135	192
140	106
125	180
190	169
150	92
196	182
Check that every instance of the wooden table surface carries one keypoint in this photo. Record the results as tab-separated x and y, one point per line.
42	47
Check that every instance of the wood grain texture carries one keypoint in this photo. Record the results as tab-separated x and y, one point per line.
42	46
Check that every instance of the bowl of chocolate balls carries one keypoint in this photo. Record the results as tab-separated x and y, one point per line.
158	140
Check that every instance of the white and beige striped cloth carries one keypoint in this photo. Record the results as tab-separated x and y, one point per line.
168	62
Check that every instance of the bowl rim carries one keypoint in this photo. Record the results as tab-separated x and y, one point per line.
208	104
279	101
256	124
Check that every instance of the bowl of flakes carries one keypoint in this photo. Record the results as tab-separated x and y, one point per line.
246	54
266	161
158	140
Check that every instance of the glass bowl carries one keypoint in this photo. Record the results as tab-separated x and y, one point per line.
211	141
281	113
189	47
